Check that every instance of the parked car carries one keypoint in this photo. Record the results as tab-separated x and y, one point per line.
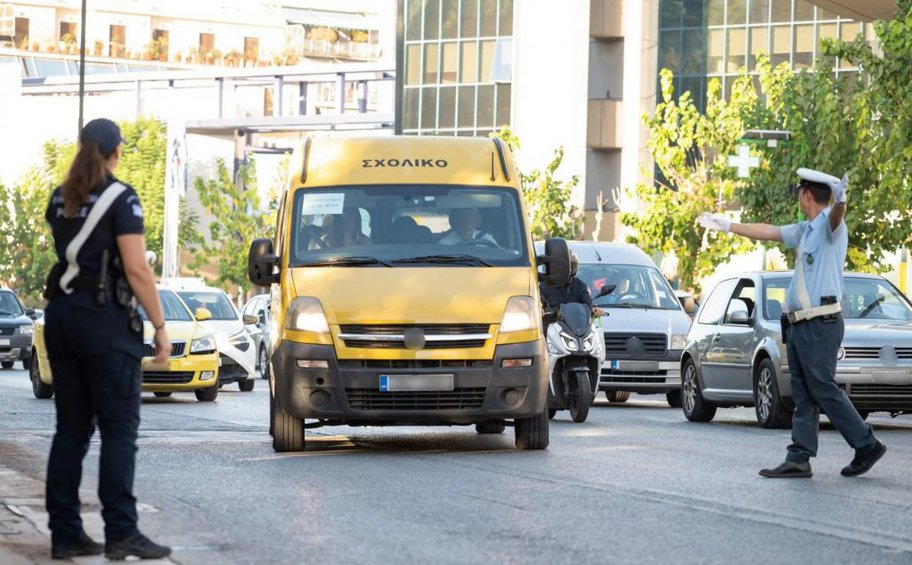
193	365
16	327
258	307
645	327
236	352
735	355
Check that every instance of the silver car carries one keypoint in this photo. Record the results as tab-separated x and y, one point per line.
258	307
735	356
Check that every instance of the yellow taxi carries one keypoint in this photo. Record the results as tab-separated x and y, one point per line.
193	365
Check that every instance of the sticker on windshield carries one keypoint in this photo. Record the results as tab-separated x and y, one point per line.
331	203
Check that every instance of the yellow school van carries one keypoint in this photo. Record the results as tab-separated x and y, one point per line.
404	290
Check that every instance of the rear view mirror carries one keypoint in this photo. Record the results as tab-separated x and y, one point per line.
606	290
261	263
739	317
203	314
250	320
737	312
556	261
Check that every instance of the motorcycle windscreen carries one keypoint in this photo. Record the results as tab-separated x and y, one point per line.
576	317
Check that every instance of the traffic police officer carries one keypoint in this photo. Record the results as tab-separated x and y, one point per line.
94	342
813	325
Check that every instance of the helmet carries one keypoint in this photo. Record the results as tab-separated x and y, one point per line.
574	264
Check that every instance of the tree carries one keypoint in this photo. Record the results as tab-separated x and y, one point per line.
235	217
548	199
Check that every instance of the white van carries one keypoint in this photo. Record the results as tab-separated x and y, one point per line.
645	326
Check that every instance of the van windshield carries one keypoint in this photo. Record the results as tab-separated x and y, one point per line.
411	225
635	286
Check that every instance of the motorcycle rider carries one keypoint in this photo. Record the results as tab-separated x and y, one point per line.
574	290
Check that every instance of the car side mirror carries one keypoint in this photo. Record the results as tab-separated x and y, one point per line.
740	317
556	261
249	320
37	313
203	314
262	263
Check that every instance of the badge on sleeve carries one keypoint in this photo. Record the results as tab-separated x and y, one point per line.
137	211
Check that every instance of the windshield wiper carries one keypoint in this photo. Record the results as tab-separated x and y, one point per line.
469	259
629	305
872	306
354	261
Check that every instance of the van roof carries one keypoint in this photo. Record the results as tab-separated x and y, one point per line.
403	160
602	252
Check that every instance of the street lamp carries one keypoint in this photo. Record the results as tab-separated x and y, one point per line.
82	60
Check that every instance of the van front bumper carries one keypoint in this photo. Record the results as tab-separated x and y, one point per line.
348	391
643	376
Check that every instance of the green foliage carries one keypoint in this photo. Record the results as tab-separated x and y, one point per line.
235	217
143	166
547	198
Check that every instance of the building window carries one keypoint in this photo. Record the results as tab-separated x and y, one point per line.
68	32
117	40
251	51
21	32
160	44
206	45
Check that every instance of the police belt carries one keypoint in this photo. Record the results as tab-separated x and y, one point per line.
816	312
86	282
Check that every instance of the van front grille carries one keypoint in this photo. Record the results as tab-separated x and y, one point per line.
365	399
635	345
436	336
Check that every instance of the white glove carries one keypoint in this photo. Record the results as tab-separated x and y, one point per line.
715	222
839	191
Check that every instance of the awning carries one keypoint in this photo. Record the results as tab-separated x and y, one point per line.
338	20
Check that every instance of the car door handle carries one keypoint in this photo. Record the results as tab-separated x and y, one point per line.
717	337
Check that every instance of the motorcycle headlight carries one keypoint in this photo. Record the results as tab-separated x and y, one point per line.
205	344
305	314
521	314
588	343
679	341
569	342
27	330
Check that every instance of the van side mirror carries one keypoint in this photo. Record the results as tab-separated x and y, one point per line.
203	314
556	261
262	262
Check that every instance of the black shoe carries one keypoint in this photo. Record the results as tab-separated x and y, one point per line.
84	546
789	470
136	546
864	460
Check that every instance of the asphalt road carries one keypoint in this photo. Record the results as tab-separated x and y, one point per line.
635	484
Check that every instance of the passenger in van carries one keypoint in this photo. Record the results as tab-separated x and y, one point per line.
464	223
407	230
343	230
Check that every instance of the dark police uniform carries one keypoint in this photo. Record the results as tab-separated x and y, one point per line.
95	360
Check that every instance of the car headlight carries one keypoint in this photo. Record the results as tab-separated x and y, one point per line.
27	330
205	344
569	342
305	314
679	341
521	314
240	340
840	354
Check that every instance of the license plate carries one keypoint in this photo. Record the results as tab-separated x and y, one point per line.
4	342
396	383
887	376
613	364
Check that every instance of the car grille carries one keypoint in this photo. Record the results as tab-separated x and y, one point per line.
881	396
874	352
639	377
364	399
7	331
620	345
392	336
167	377
177	349
411	364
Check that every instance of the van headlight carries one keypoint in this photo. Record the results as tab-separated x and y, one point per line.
305	314
520	315
679	341
200	345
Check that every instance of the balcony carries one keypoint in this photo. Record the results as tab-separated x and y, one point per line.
604	124
606	19
351	50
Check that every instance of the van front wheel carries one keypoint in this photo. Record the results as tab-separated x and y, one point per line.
287	431
532	433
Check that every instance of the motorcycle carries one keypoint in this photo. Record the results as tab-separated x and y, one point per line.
576	350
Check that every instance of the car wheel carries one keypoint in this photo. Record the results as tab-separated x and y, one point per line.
532	432
617	396
696	408
162	394
7	364
207	394
771	412
490	427
288	431
246	385
39	389
264	363
674	398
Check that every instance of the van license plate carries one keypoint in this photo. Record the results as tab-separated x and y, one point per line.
4	342
398	383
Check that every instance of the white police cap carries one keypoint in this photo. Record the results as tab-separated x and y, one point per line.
810	175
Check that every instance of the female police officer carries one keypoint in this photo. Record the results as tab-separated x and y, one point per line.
95	345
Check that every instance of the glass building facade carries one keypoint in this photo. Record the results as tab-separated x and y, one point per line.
455	62
704	39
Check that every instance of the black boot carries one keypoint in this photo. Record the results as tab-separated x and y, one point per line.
136	546
82	547
864	460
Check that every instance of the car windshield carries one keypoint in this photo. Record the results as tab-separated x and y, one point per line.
216	302
174	309
864	299
412	225
635	286
9	305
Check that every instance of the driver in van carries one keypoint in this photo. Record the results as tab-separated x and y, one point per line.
574	290
464	224
342	230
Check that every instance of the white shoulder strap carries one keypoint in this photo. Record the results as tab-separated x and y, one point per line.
101	206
